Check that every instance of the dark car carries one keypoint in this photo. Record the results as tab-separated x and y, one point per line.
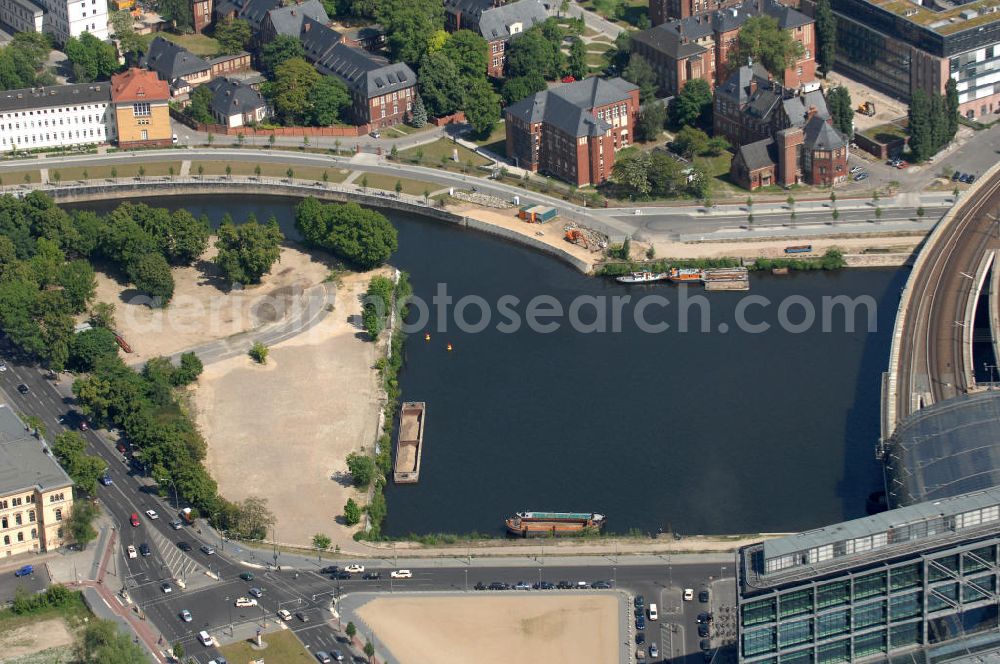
601	585
971	178
705	644
639	601
702	630
564	585
372	576
144	549
480	586
302	616
499	585
106	480
704	617
341	576
640	622
544	585
963	178
330	569
183	546
27	570
703	597
247	576
956	176
23	389
640	638
707	656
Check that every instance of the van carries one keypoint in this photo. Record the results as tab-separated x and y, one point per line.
206	639
652	612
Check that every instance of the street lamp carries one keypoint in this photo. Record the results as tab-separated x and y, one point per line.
173	486
466	570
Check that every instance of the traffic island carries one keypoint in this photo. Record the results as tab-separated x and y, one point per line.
279	646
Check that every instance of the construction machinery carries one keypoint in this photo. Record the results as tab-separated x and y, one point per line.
867	108
576	236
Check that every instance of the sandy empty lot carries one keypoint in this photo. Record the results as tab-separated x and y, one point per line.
33	638
283	430
203	308
554	629
551	233
776	248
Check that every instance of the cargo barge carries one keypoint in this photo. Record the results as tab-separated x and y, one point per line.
545	524
409	443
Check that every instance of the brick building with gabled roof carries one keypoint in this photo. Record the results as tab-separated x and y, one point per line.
142	115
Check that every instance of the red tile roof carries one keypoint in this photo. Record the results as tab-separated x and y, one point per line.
138	85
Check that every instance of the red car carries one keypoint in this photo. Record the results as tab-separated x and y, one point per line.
568	79
134	520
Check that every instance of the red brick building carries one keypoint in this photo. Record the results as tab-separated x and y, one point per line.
496	22
815	154
698	46
201	13
573	131
661	11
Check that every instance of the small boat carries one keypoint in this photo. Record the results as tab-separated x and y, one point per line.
542	524
686	275
410	442
799	249
642	277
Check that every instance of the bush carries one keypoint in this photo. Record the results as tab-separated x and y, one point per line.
87	347
352	513
259	352
151	275
362	469
356	234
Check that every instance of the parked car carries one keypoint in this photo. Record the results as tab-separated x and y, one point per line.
963	178
705	644
402	574
166	588
323	657
653	650
639	601
640	623
601	585
3	366
284	614
354	568
26	570
375	134
640	638
134	520
564	585
703	597
956	176
522	585
185	615
544	585
702	629
971	178
499	585
152	514
581	585
144	549
856	169
245	602
132	553
337	656
704	617
861	176
688	594
329	569
569	79
480	586
23	389
372	576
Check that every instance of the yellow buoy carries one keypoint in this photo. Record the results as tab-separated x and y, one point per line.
449	347
427	336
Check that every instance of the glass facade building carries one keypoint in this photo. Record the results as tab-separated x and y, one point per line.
904	583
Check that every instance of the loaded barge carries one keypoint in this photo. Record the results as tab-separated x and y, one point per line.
544	524
410	442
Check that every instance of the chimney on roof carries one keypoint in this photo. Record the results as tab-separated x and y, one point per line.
306	26
810	113
753	85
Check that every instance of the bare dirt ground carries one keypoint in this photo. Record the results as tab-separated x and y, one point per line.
283	430
34	637
886	108
203	308
555	629
550	233
776	248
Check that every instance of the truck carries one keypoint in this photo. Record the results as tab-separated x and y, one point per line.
866	108
187	515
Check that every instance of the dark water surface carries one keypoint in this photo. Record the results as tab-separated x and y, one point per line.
699	432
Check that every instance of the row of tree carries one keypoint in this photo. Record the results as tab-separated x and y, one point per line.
361	236
933	121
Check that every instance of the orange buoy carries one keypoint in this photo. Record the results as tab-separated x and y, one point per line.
427	336
449	347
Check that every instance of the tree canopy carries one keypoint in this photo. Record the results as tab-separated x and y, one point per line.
838	100
762	40
826	37
22	62
693	106
278	50
655	175
537	52
304	97
102	643
482	107
247	251
177	12
409	25
356	234
92	59
233	36
641	73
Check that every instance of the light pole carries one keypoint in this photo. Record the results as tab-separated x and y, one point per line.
174	487
466	570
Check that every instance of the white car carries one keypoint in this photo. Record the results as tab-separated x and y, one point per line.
354	568
132	552
185	615
688	594
3	366
244	602
402	574
152	514
284	615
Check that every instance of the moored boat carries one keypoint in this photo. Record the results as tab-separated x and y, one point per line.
685	275
543	524
409	443
642	277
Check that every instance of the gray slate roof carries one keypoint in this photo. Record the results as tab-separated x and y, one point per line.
569	107
797	108
736	87
55	95
288	20
366	74
24	463
820	135
171	61
317	39
232	97
255	11
666	38
759	154
495	23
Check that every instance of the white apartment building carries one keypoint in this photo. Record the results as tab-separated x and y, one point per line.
71	18
56	116
21	15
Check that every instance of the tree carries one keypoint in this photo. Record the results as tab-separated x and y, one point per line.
124	28
179	650
369	649
652	117
839	101
693	106
233	36
200	108
360	235
419	117
87	347
151	275
921	212
482	107
622	51
329	99
641	73
289	91
350	630
362	469
631	170
280	49
440	84
102	643
826	37
189	370
92	59
920	126
951	97
520	87
469	52
762	40
409	25
577	62
22	62
690	141
258	352
611	9
247	252
177	12
321	543
80	522
102	314
352	513
537	51
252	519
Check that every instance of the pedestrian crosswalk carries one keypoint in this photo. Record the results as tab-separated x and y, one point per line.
180	565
